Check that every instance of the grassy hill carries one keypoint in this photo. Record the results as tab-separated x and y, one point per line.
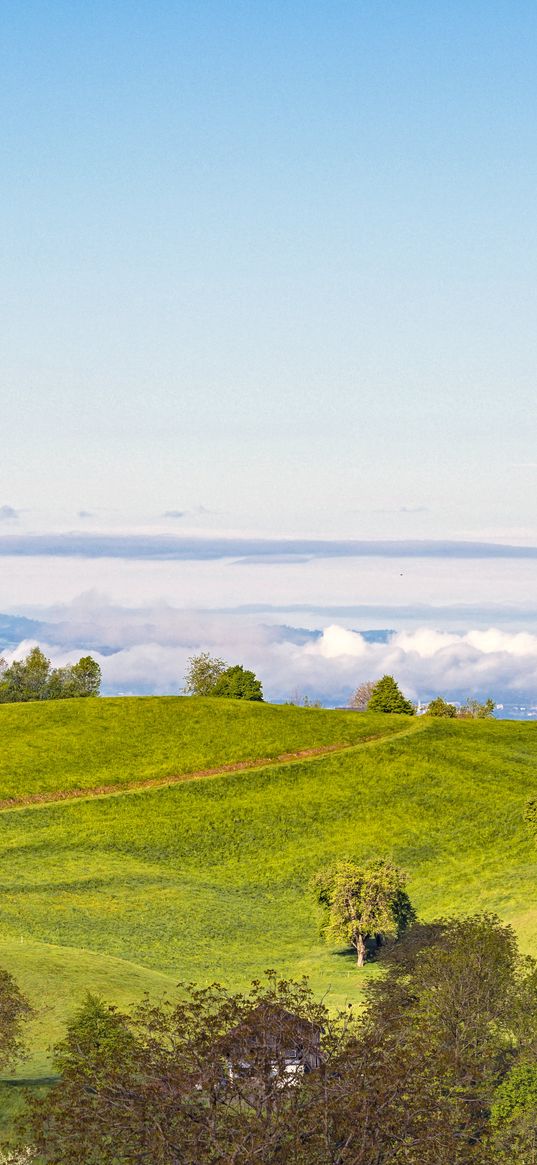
210	879
65	745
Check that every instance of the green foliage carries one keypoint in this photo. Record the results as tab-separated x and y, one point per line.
33	678
135	1087
440	707
14	1010
514	1116
237	684
208	676
363	902
98	1034
457	1005
202	673
81	679
409	1080
388	697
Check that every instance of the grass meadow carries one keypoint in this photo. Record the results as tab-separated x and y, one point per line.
67	745
210	879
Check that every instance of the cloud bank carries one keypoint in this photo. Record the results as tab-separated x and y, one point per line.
145	650
169	547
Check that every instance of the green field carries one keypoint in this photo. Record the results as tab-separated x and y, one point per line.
210	879
66	745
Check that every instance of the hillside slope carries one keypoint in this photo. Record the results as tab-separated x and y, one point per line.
81	744
210	879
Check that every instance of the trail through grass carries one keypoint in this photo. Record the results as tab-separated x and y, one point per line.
69	745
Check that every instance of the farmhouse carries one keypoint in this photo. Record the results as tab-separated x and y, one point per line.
272	1042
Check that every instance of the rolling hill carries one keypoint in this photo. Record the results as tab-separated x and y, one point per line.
209	879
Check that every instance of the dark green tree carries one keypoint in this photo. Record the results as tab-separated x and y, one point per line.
237	683
361	902
440	707
388	697
459	1002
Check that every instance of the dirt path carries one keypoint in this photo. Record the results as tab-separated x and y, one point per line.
285	758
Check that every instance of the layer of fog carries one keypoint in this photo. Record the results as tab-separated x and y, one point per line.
145	650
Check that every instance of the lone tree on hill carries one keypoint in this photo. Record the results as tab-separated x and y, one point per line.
238	684
209	676
202	672
361	697
440	707
388	697
361	902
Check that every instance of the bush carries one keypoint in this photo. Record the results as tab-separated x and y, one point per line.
238	684
440	707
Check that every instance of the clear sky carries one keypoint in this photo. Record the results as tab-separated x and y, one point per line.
270	265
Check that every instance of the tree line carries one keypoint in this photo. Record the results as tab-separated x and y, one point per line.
385	695
438	1068
34	678
207	675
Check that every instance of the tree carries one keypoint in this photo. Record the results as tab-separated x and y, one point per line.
514	1116
440	707
388	697
86	677
438	1068
203	671
474	710
457	1003
361	697
199	1080
32	678
14	1010
26	679
363	902
80	679
237	683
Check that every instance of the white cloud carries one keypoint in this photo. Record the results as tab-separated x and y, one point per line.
146	650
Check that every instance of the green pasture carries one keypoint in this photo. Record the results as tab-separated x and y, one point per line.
80	744
210	879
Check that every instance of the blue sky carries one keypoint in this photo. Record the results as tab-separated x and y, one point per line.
268	271
273	260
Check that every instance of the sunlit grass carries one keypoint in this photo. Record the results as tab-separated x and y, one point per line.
81	744
210	879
